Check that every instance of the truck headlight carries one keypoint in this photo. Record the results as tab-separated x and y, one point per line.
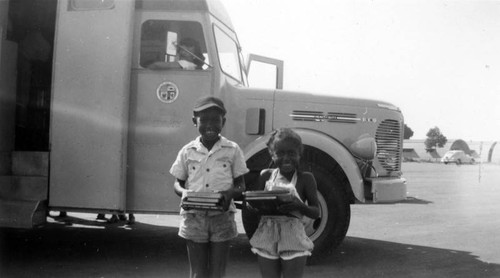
364	147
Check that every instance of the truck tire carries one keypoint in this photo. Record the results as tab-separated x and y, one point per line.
328	231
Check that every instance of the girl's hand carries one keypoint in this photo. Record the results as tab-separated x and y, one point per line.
294	205
250	208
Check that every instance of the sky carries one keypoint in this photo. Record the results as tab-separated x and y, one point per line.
438	61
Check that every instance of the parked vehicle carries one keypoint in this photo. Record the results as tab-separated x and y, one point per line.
458	157
115	107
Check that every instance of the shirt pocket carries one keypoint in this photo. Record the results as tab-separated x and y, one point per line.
223	170
193	163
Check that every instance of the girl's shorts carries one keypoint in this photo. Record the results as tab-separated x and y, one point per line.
204	227
281	237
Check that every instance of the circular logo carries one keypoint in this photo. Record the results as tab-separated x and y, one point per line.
167	92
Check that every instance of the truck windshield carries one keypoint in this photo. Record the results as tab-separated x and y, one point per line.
190	51
227	50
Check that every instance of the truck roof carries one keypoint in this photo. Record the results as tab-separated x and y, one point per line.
213	7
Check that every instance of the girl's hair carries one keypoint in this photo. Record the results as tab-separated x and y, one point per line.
285	134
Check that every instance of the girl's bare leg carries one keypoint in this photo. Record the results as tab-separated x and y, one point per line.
293	268
269	268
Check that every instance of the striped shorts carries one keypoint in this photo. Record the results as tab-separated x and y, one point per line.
281	237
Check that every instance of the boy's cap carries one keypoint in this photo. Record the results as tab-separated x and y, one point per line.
209	102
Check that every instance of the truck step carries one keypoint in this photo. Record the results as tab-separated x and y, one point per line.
30	164
22	214
24	188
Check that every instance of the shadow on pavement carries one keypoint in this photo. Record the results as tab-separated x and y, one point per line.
83	248
360	257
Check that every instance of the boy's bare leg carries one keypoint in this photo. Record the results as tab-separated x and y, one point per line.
198	259
269	268
219	252
293	268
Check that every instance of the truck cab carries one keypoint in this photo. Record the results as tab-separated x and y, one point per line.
120	108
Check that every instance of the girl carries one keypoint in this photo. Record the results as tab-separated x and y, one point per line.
280	241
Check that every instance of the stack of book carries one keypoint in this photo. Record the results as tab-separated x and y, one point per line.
202	200
267	202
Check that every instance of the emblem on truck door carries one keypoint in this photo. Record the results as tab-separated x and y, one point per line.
167	92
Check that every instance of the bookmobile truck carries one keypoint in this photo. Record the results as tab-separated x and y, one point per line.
87	123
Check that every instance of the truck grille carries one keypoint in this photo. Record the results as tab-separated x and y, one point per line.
388	138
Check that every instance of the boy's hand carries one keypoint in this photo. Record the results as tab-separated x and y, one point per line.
184	194
227	196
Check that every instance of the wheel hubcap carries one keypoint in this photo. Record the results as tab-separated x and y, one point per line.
315	227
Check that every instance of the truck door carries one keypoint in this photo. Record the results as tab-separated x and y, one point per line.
161	101
89	113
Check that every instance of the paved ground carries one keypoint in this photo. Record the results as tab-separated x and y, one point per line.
448	227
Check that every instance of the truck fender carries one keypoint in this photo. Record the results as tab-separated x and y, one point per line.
328	145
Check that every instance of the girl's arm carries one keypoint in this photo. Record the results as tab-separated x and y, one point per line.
311	196
307	190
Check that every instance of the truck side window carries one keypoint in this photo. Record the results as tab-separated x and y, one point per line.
228	53
153	53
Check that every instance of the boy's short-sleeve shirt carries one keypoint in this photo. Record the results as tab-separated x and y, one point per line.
207	171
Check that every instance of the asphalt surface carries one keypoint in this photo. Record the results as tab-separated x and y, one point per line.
448	227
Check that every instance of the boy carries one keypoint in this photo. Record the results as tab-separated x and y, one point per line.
210	163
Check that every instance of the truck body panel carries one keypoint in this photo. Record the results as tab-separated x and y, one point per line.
89	112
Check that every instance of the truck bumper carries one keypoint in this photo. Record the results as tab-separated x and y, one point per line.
388	189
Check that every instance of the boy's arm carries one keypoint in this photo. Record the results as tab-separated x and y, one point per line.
235	192
180	187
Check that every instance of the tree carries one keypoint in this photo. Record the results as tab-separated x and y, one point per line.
407	133
434	139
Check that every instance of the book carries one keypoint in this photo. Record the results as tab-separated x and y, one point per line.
267	202
203	200
214	195
187	205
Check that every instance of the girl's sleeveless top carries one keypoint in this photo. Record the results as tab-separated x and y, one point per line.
277	181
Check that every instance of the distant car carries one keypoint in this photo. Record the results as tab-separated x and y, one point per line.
457	157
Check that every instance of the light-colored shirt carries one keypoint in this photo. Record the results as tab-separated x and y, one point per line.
208	171
187	65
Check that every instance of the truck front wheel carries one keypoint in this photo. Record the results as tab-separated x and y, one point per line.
328	231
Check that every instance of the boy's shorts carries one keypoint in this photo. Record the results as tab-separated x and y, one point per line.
205	227
281	237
